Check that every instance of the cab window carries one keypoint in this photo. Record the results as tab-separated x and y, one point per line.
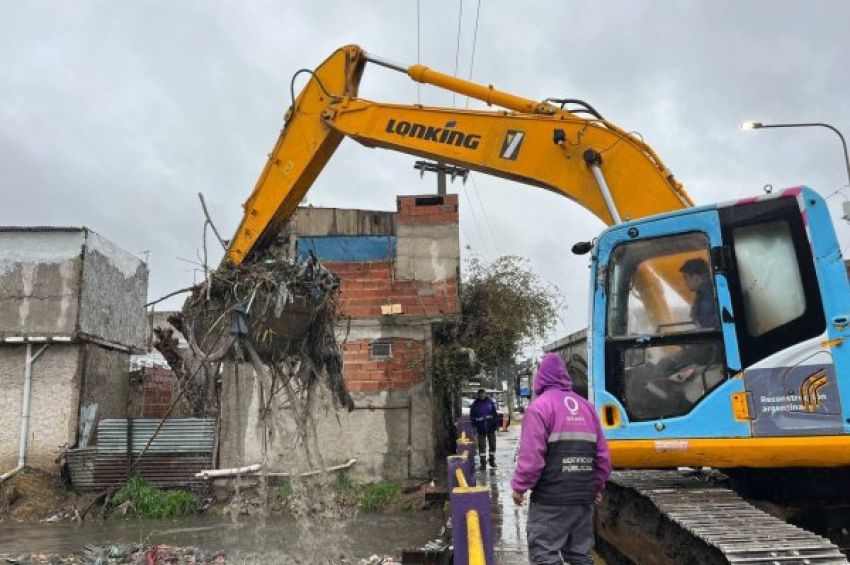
661	286
773	284
664	349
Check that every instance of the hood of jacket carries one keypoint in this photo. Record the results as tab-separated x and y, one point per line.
552	374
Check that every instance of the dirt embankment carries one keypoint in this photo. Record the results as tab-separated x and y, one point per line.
34	496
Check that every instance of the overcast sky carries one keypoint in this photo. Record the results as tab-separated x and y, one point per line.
113	115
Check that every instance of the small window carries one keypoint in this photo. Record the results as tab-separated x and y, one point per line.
380	350
771	285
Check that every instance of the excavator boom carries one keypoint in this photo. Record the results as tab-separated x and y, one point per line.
612	173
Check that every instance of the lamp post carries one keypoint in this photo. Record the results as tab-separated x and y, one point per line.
758	125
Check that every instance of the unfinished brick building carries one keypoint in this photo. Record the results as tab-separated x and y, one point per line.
413	287
399	276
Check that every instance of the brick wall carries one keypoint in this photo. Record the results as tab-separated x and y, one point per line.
405	368
421	210
430	259
365	287
156	387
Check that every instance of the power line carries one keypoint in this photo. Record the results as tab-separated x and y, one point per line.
474	41
483	211
839	189
457	48
475	221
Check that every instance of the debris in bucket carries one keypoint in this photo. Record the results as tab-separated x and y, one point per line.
272	311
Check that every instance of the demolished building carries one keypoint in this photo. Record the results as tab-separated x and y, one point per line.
398	275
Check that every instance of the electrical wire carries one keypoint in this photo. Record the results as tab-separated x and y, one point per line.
483	211
457	48
619	139
475	221
474	42
836	191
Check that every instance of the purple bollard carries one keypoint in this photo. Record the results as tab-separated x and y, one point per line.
463	500
465	425
454	462
467	449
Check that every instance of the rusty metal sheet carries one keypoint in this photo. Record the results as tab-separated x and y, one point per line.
182	448
179	435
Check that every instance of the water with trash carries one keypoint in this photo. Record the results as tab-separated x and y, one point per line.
274	539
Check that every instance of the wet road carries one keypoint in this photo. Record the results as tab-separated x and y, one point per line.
508	519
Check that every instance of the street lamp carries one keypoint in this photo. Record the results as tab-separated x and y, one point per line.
758	125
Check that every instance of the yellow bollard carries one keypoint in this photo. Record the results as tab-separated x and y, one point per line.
461	479
474	540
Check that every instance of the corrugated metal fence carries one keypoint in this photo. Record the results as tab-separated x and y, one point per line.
182	448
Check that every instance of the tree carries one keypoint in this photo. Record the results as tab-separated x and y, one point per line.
504	307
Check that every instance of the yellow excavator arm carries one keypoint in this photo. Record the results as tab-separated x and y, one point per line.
612	173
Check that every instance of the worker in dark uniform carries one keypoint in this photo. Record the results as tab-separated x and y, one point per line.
485	419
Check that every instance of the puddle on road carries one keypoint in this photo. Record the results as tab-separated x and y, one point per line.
276	538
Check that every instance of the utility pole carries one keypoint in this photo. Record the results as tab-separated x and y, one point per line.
442	170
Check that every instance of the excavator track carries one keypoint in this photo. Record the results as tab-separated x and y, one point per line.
660	517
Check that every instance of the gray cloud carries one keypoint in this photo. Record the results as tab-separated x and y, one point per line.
113	115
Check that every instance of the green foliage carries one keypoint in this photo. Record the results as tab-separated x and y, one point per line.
342	484
284	492
378	496
346	491
504	306
151	502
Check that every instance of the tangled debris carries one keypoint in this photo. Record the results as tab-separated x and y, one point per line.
277	313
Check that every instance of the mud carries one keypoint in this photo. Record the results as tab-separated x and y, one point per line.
273	540
32	496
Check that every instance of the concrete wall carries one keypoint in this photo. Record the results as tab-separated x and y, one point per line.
78	290
114	292
376	436
65	377
40	282
104	380
53	407
428	239
336	221
70	283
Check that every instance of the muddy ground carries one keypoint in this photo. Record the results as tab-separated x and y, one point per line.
45	523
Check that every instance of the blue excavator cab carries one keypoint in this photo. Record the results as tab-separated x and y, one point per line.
718	336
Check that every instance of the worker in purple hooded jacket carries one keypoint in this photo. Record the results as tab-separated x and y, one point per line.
563	459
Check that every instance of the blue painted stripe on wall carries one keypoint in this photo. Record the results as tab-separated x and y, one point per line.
350	248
